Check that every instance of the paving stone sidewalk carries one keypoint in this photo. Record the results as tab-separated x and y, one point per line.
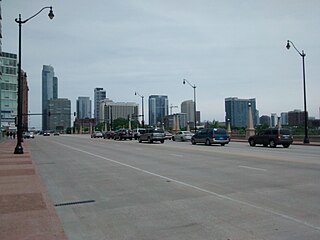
25	209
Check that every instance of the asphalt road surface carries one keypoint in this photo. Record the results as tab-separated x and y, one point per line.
106	189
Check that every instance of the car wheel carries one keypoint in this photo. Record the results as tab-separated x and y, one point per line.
193	141
252	143
182	140
208	143
162	141
149	140
222	144
272	144
140	141
286	145
173	139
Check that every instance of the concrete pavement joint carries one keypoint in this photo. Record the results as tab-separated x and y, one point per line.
198	188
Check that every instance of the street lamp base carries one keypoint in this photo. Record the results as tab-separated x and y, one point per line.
306	140
18	149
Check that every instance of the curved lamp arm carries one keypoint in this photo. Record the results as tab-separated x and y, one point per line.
186	81
302	54
51	15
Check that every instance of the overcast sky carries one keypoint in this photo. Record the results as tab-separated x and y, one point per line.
226	48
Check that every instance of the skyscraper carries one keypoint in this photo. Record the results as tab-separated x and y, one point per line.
237	111
99	94
8	91
60	118
49	91
158	109
84	107
187	107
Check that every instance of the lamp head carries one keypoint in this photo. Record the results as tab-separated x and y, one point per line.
288	45
135	93
51	15
184	81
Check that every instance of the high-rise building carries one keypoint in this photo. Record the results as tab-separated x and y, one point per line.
296	117
0	67
273	120
8	91
265	120
158	109
49	91
0	32
112	110
237	111
284	118
99	94
59	118
187	107
84	108
25	105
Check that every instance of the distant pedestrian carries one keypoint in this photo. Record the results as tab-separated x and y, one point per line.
10	135
14	135
7	135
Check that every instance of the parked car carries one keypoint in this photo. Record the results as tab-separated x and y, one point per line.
56	134
108	134
182	136
96	134
152	134
272	137
210	136
123	134
137	132
168	135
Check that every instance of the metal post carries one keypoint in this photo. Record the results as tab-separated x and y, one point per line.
302	54
195	110
19	149
306	139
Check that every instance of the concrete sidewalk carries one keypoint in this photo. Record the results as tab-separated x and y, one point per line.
25	209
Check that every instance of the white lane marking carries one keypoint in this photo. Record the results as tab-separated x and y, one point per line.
200	189
176	155
259	169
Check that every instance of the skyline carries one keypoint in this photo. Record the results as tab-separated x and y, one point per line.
227	49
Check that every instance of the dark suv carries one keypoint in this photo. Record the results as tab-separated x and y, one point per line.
209	136
123	134
152	134
272	137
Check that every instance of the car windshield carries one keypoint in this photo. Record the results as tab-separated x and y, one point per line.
158	130
187	133
220	131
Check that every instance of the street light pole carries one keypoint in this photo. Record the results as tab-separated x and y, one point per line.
142	107
194	101
303	55
19	149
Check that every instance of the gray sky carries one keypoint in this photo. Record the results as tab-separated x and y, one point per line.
226	48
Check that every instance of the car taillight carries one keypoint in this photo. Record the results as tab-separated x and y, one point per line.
212	135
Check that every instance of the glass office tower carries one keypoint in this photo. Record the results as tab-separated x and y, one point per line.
158	109
237	111
49	91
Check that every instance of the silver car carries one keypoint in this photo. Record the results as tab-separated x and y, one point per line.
182	136
152	134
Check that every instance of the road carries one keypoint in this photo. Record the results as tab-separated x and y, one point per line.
106	189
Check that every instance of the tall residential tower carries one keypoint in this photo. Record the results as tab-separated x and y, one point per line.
99	94
84	108
237	111
158	109
49	91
